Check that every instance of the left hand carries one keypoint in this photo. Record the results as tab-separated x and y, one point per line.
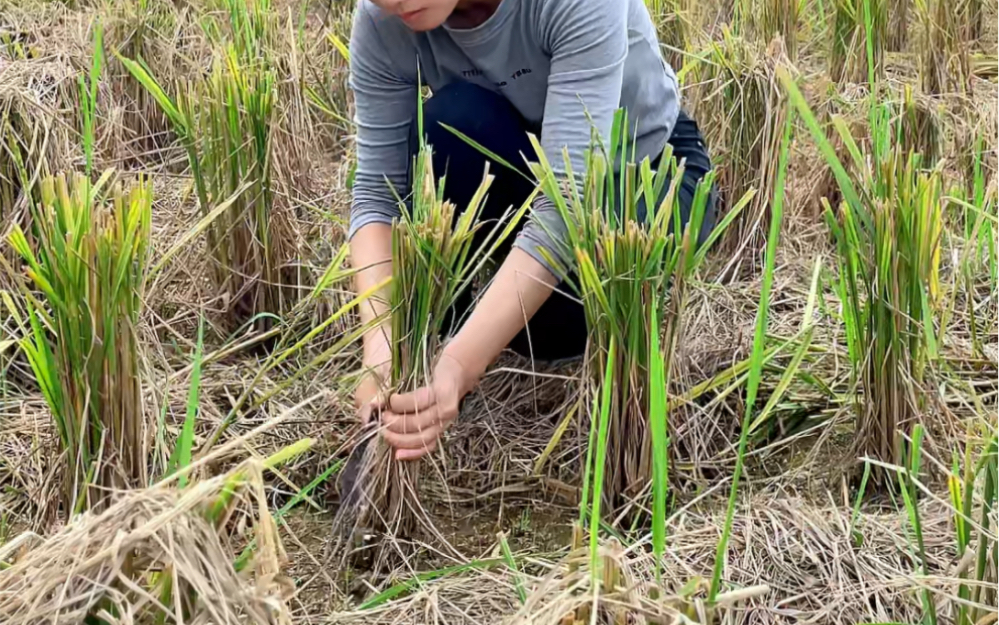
413	422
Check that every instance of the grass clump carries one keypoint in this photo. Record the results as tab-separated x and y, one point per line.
887	231
898	25
769	19
742	111
919	126
673	26
142	29
944	61
859	39
226	124
631	272
437	251
89	269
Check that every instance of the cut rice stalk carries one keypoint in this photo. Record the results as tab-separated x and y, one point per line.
887	231
630	270
226	125
673	27
859	40
141	29
436	253
770	19
89	268
742	111
944	60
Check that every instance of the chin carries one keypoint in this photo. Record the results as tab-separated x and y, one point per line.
425	20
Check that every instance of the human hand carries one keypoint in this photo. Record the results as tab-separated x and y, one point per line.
413	422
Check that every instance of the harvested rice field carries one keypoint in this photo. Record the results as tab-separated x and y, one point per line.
791	420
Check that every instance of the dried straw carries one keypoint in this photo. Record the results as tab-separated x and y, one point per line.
111	565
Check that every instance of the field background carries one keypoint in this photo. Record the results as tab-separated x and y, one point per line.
512	462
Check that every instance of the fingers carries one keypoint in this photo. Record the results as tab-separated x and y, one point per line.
364	413
367	409
411	423
418	400
425	440
414	454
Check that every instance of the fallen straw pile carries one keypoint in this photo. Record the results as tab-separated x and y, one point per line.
155	555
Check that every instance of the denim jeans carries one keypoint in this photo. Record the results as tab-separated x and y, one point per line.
558	329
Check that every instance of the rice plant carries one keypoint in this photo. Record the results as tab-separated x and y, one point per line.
972	484
887	232
82	345
630	270
977	265
148	30
859	39
919	126
24	148
944	60
898	25
742	111
973	14
978	217
226	124
673	27
437	251
769	19
325	66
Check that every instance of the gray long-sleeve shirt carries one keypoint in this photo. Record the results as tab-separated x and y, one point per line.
550	58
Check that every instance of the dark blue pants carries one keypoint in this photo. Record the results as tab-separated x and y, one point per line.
558	329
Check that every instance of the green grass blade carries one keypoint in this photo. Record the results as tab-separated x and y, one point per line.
660	441
600	460
512	565
417	580
756	356
801	105
181	456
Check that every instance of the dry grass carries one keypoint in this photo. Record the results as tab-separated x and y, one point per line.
814	569
944	62
153	554
742	111
512	461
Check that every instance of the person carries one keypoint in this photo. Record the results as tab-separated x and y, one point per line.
497	70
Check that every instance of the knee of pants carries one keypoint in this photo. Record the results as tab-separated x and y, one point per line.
481	114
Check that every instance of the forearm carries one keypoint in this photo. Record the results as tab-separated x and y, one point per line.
371	256
520	287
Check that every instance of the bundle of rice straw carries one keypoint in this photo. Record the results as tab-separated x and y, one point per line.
155	555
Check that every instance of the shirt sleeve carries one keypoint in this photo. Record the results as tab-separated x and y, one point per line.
384	104
588	43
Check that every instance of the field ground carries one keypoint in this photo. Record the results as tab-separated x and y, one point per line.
824	555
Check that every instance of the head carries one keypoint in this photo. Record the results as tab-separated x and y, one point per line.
419	15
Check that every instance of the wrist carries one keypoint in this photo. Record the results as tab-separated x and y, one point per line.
469	360
376	347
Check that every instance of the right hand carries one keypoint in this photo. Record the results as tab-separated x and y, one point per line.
377	363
